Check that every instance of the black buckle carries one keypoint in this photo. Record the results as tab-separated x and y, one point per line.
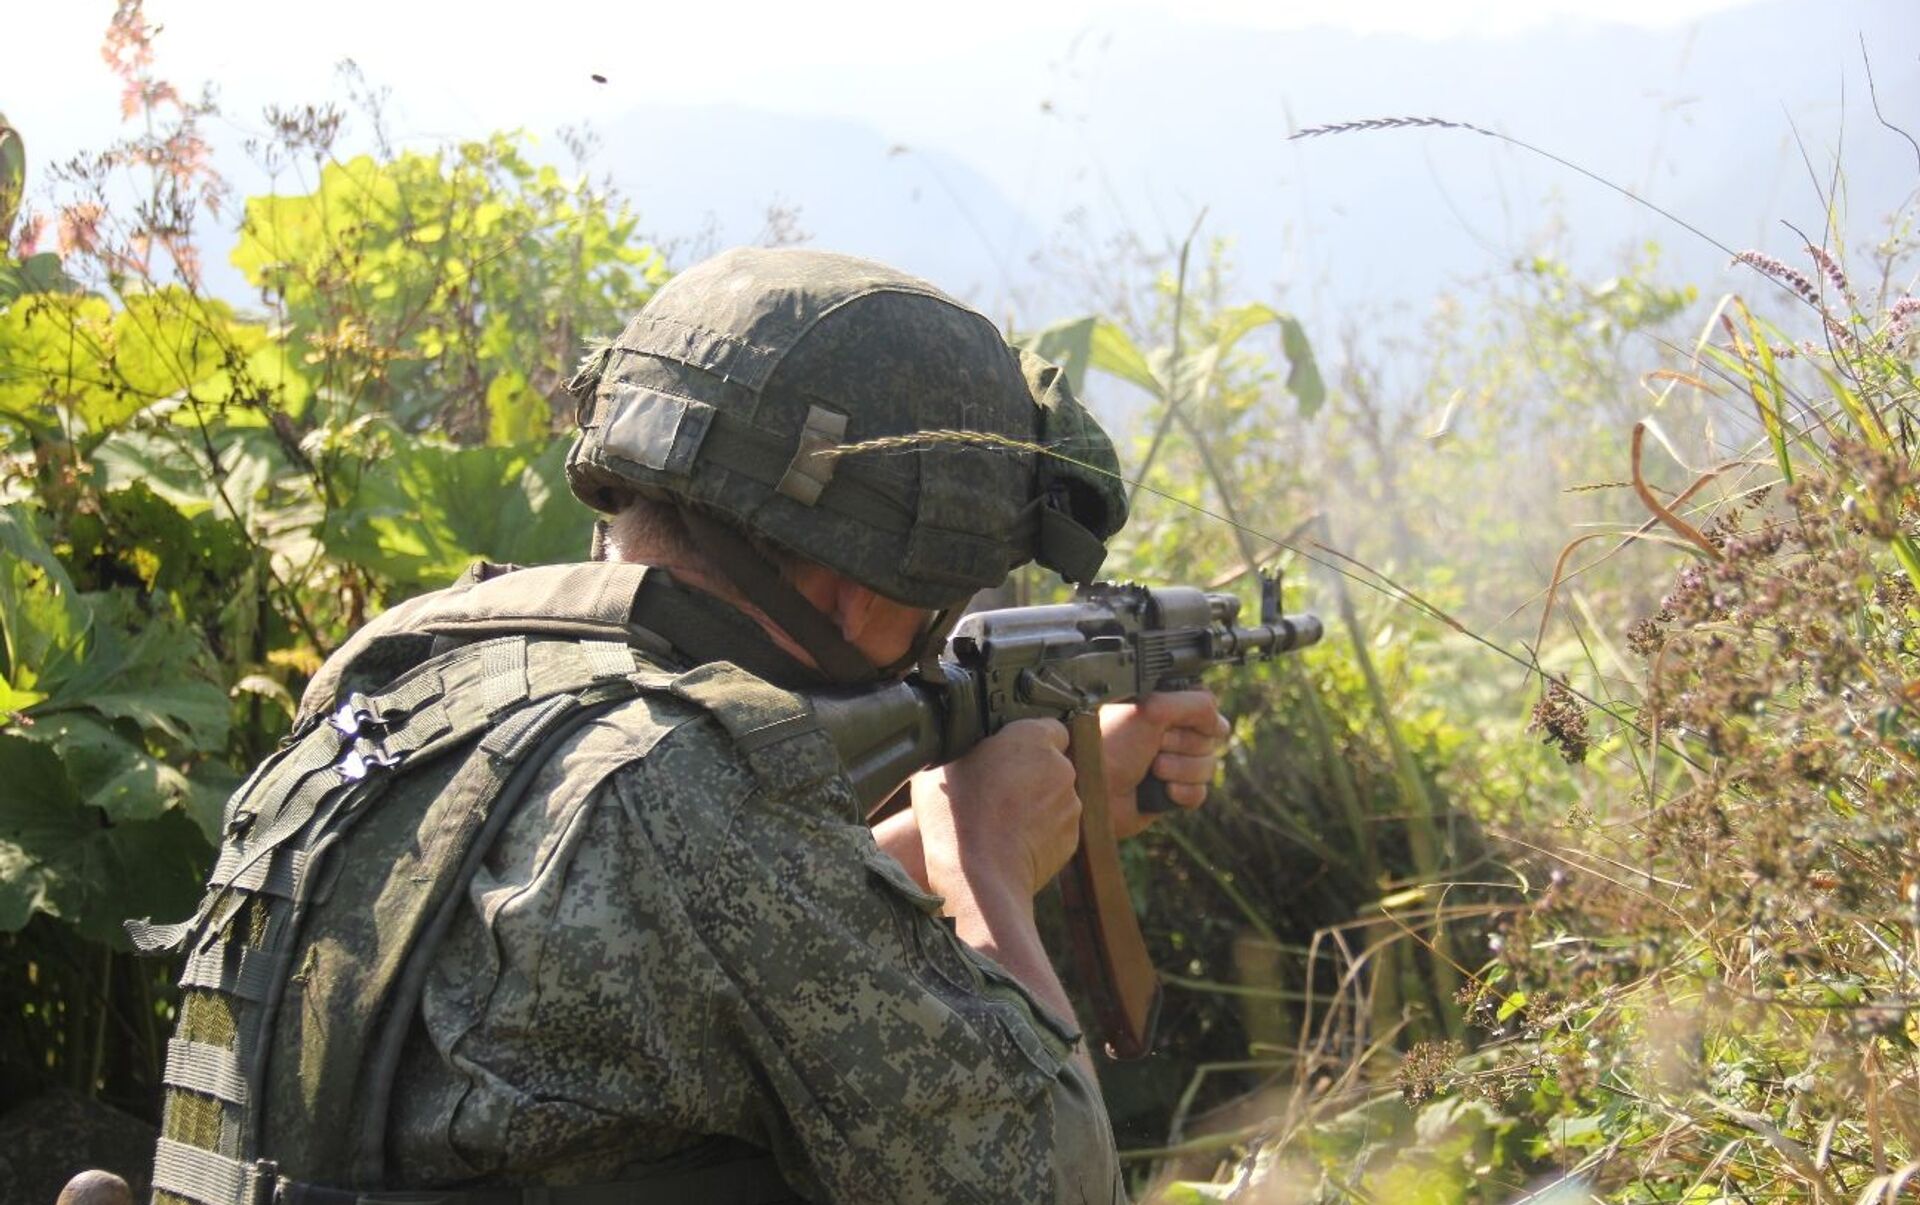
365	756
353	714
359	722
263	1182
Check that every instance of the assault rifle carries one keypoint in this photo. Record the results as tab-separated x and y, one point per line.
1112	643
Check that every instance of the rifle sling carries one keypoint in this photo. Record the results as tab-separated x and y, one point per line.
1109	955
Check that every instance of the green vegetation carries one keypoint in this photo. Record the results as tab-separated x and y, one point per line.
1685	942
1580	859
198	502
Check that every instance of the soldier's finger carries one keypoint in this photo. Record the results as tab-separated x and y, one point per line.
1177	768
1181	708
1189	741
1187	794
1048	732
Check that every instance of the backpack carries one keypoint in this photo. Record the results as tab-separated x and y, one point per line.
346	855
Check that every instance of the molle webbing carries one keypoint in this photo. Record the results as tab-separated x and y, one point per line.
181	1170
209	1070
578	602
343	777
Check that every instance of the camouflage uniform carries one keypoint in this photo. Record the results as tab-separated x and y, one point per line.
559	884
697	947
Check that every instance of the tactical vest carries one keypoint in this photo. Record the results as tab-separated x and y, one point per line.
347	854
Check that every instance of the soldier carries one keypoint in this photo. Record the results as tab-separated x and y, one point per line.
637	943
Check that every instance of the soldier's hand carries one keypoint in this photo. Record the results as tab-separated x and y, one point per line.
1178	735
1004	818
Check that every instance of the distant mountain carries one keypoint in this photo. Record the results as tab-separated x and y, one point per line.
707	177
974	168
1143	121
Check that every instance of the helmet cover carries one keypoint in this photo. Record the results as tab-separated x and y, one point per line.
741	386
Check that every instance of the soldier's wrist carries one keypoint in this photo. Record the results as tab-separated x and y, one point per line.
990	898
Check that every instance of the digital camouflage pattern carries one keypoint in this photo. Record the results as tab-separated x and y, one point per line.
591	901
680	946
342	852
732	389
710	943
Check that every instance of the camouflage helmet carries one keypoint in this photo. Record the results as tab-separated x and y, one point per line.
730	392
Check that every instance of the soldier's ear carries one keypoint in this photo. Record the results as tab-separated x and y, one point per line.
853	607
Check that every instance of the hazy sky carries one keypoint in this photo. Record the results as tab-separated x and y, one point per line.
461	69
1025	117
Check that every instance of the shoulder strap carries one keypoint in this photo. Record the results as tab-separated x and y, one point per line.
587	601
359	772
579	602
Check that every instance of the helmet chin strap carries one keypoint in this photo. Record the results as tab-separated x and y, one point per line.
760	583
924	654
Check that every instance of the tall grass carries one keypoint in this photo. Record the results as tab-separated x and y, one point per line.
1704	973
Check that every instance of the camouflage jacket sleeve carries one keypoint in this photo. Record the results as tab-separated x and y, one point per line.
686	952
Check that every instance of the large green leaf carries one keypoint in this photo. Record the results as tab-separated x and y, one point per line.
1303	373
142	667
62	857
542	522
159	460
1068	344
110	769
39	611
147	868
71	362
41	273
423	514
55	360
103	654
40	818
274	370
14	700
516	413
1235	323
209	787
171	342
1112	352
172	463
